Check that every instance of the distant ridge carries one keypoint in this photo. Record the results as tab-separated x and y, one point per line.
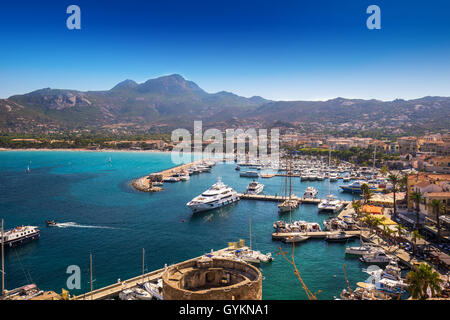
171	101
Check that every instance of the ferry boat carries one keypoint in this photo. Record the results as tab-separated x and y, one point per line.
254	188
310	193
355	187
331	203
20	235
250	174
218	195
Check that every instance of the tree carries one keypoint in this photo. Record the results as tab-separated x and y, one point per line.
422	278
384	170
400	231
417	197
415	235
357	207
437	207
366	193
394	179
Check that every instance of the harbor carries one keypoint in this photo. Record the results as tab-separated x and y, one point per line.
152	220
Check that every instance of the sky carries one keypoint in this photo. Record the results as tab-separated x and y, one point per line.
279	49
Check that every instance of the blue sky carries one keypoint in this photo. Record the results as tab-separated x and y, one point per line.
283	50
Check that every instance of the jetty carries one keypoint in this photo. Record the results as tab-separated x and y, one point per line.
144	184
317	234
277	198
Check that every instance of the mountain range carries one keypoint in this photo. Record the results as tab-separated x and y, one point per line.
173	102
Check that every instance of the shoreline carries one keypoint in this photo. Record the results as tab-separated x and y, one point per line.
83	150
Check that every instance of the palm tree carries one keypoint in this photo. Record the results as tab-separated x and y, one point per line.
400	230
395	180
357	207
417	197
421	279
366	193
415	235
437	207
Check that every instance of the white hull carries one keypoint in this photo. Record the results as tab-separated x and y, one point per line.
213	205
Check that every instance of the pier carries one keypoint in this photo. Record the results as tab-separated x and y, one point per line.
143	183
317	235
265	197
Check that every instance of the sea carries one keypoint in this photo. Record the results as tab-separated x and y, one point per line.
98	212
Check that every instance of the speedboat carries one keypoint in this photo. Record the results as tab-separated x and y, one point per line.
331	203
333	177
50	223
359	251
254	188
295	239
339	237
218	195
155	289
376	257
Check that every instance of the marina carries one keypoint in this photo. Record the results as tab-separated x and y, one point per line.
154	218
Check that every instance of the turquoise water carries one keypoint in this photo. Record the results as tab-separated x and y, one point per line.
107	217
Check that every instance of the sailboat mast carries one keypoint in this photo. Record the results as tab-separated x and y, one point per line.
3	264
329	163
374	156
250	223
143	260
90	259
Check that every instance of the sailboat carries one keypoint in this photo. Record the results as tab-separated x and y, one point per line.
289	203
331	203
252	256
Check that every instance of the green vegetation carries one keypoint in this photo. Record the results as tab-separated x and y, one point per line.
422	279
77	141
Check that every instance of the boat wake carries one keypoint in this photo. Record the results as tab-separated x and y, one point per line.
76	225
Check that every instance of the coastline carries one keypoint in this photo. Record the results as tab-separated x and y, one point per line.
84	150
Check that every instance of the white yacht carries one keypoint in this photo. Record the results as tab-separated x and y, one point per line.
254	188
331	203
217	196
333	177
310	193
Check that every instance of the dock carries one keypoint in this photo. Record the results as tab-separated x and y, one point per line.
143	183
316	235
277	198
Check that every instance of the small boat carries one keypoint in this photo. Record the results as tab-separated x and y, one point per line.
359	251
295	239
237	168
339	237
310	193
254	188
249	174
50	223
155	289
376	257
